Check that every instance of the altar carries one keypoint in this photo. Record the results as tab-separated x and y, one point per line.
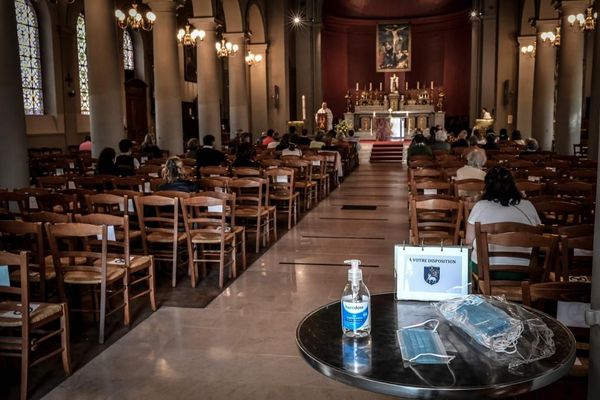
377	123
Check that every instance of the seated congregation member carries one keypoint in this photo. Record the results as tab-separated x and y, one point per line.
418	148
292	150
355	139
106	162
329	144
244	156
275	142
304	140
501	202
476	159
517	139
86	145
441	141
490	143
531	146
208	155
318	142
126	163
269	138
284	143
172	173
192	147
461	140
503	136
149	147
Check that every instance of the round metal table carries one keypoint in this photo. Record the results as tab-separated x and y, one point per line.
375	363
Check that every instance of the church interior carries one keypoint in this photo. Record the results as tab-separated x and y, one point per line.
185	183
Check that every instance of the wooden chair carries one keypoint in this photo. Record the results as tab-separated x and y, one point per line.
52	182
244	172
557	212
138	269
133	183
80	194
250	209
58	202
331	166
73	240
576	257
13	204
208	239
431	187
319	174
26	320
280	192
212	170
214	184
303	182
434	221
468	188
159	222
508	239
97	183
529	188
545	297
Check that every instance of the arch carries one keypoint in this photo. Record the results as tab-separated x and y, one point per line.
233	15
30	57
203	8
256	24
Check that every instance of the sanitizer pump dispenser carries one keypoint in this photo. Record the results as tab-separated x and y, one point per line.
356	304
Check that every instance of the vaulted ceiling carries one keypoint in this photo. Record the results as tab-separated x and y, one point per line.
391	9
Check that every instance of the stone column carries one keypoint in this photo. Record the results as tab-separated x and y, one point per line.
543	87
258	91
167	90
105	75
475	98
570	81
594	128
525	98
13	153
209	97
238	85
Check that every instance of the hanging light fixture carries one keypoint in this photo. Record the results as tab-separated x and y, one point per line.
188	38
584	22
134	18
551	38
252	59
226	49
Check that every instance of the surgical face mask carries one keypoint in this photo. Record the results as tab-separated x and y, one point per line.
421	344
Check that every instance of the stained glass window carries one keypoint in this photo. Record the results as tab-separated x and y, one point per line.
128	57
84	90
29	55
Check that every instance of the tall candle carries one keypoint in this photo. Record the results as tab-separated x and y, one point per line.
406	85
418	84
357	86
380	86
303	107
432	84
370	86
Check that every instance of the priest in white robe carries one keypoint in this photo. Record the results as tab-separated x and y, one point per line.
324	112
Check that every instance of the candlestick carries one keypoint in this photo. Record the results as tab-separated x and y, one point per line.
370	86
357	86
418	84
406	85
431	84
303	108
380	86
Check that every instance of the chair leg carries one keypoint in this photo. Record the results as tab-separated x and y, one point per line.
275	223
174	261
191	264
127	305
102	312
244	264
290	205
152	284
258	235
64	339
233	268
222	265
24	365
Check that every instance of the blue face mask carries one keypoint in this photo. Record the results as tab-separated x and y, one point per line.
421	345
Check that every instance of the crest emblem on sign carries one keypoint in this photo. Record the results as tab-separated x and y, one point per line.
431	275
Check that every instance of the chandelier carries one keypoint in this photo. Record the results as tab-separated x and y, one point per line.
188	38
252	58
583	22
226	49
550	38
134	19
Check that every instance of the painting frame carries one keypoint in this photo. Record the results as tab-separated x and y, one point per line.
190	73
393	51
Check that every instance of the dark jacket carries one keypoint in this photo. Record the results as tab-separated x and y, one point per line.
124	165
179	186
208	156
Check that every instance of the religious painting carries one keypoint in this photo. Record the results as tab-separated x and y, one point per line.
189	64
393	47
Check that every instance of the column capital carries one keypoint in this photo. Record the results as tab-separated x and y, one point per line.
258	47
546	25
235	37
526	40
207	24
163	6
573	6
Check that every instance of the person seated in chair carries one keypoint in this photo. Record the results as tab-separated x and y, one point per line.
126	164
208	155
172	173
418	148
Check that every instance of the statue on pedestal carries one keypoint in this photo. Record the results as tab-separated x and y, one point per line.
394	83
440	102
348	98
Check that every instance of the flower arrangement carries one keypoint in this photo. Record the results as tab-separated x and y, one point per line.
343	127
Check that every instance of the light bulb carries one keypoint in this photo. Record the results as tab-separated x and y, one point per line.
180	34
218	46
580	17
571	18
523	49
296	20
228	46
150	16
551	36
201	34
544	36
138	17
120	15
235	48
195	34
530	48
258	58
132	12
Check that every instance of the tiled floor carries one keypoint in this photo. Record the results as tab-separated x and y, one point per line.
242	346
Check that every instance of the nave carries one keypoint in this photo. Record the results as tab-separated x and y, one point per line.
242	345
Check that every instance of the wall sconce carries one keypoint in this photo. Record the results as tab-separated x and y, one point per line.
550	38
583	22
188	38
528	50
252	59
226	49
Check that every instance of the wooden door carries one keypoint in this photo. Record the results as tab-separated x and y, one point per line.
136	109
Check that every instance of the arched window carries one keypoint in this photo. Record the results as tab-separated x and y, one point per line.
84	90
128	56
29	55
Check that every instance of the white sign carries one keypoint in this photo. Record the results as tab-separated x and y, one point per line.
431	273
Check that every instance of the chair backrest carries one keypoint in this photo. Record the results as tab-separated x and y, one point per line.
436	220
47	217
530	188
199	215
52	182
134	183
213	170
508	239
18	296
21	236
576	256
212	183
431	187
558	212
281	181
13	203
97	183
248	191
242	172
58	202
318	164
468	187
108	204
117	245
158	214
302	169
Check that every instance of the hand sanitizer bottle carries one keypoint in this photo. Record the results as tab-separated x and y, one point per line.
356	304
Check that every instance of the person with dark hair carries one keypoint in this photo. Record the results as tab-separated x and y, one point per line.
418	148
461	140
126	164
304	140
208	155
86	145
292	150
318	142
106	162
283	143
501	202
172	173
516	138
490	142
244	156
269	137
193	145
149	147
503	135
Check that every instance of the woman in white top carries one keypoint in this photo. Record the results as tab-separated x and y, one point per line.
292	150
501	202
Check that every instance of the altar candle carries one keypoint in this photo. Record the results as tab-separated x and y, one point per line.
370	86
357	86
373	114
406	85
432	84
303	107
418	84
380	86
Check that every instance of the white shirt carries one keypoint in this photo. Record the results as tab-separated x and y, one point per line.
488	212
329	117
288	152
272	145
468	172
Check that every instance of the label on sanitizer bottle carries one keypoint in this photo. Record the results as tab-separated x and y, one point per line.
355	315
